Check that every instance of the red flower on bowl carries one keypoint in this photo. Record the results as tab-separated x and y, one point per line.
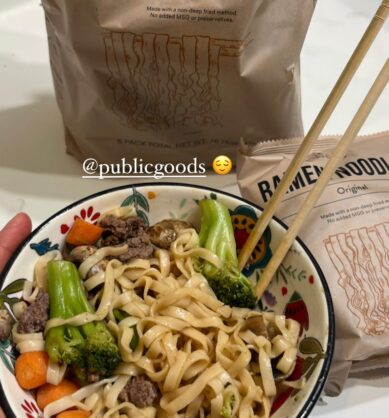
86	214
31	410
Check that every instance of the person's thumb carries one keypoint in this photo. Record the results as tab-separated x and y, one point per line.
12	235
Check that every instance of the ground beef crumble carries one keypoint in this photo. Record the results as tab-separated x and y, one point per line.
35	316
140	391
130	231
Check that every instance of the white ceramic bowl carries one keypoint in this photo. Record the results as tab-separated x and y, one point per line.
299	289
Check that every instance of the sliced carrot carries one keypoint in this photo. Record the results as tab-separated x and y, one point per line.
76	413
50	393
31	369
83	233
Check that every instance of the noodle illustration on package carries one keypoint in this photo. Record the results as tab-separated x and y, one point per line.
159	81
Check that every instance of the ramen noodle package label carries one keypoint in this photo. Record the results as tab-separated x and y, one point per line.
168	81
347	232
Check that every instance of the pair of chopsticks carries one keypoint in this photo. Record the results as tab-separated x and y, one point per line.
336	158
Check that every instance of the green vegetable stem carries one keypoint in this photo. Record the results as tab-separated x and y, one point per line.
217	235
90	349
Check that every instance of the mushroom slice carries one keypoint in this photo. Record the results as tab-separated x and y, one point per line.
81	253
163	233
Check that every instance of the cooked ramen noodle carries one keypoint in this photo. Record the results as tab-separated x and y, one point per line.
196	350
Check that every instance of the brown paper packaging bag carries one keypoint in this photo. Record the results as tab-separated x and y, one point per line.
168	80
347	232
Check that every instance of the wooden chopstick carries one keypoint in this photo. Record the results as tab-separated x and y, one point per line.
336	158
317	127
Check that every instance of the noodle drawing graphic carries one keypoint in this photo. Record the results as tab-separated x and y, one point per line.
159	81
361	258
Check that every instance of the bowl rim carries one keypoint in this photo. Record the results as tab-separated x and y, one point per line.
319	385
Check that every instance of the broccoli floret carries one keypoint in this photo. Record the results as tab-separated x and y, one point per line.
65	345
101	351
217	235
89	349
228	406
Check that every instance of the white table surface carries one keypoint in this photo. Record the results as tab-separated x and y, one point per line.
37	176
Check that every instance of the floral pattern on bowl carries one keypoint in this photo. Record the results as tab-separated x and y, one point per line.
298	290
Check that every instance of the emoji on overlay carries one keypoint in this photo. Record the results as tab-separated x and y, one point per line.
222	164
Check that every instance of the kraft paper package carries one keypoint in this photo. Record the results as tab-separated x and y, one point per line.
347	232
168	80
